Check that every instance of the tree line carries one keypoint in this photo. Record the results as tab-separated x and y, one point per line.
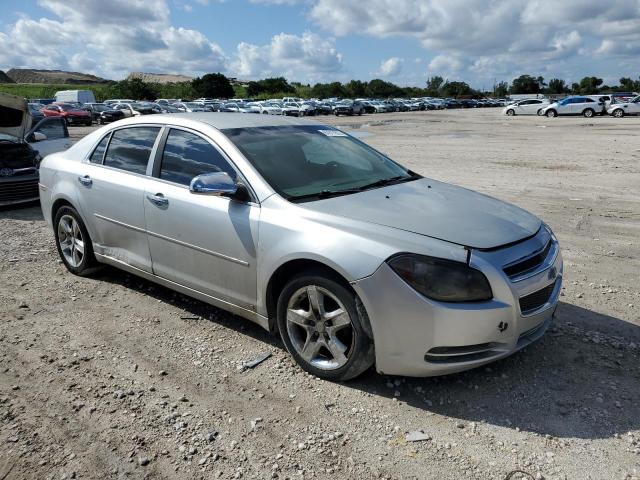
217	85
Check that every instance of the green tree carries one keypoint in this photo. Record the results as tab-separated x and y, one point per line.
457	89
501	90
629	85
212	85
378	88
134	89
434	84
356	88
589	85
526	84
557	86
329	90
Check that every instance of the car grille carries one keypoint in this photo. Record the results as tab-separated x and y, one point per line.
533	301
19	191
529	264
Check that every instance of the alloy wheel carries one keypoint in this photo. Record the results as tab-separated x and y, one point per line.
320	328
70	240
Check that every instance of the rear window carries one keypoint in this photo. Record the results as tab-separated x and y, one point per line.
130	149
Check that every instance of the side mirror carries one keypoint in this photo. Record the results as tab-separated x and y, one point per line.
218	183
39	136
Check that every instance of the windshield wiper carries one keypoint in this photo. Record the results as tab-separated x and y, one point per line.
325	194
347	191
390	181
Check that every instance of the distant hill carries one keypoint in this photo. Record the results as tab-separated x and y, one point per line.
4	78
159	77
28	75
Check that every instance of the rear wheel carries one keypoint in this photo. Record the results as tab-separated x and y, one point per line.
552	113
539	112
322	327
588	113
73	241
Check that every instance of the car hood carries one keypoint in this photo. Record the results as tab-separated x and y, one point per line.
14	115
438	210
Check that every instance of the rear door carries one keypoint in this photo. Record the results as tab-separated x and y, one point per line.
207	243
112	185
56	136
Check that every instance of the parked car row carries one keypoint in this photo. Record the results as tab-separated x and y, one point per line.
588	106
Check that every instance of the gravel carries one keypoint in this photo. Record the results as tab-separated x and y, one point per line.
74	404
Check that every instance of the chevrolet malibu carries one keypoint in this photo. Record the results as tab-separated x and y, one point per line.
351	258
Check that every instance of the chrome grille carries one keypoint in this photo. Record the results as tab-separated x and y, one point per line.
529	264
533	301
18	191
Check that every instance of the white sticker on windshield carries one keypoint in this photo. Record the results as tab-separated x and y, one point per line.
333	133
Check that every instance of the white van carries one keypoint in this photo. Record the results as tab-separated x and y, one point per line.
75	96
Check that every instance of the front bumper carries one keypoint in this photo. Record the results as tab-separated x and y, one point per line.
416	336
19	189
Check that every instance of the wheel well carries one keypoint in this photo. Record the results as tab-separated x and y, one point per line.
61	202
285	272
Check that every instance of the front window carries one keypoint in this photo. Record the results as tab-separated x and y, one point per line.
303	162
187	155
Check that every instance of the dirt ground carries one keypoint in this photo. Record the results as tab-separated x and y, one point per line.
114	377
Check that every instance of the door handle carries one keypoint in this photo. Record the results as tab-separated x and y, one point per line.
85	180
158	199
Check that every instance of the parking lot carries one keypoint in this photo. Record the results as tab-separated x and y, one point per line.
114	377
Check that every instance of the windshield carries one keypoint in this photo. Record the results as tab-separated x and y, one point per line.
314	160
193	105
67	108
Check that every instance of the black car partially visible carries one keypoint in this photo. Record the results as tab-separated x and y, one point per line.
18	171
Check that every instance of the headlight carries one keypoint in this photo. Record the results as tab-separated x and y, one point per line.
442	280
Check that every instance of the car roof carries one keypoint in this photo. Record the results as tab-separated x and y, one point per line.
221	120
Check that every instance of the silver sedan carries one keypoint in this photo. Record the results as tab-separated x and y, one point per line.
353	259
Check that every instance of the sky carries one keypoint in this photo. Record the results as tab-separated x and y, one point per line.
403	41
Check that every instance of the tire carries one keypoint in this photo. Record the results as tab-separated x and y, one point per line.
618	113
551	113
539	112
312	338
588	113
511	112
360	112
68	230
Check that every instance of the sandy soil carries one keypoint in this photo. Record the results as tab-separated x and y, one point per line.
114	377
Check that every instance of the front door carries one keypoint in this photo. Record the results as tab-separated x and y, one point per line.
207	243
56	136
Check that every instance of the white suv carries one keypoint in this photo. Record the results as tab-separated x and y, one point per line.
530	106
584	106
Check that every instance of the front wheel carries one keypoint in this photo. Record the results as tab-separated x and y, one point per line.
588	113
618	113
552	113
323	329
73	241
511	112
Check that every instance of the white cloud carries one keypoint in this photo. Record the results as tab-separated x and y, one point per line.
472	36
391	67
308	57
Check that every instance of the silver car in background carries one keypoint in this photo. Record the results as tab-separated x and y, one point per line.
308	232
